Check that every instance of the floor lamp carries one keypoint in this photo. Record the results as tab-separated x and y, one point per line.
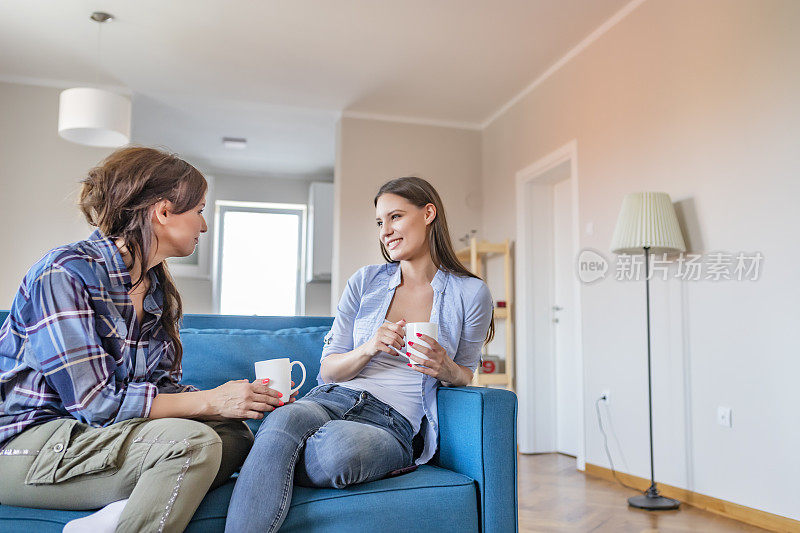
647	224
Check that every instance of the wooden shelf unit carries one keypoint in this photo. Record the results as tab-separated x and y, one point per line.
472	256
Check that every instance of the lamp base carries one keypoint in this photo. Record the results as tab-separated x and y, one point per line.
651	500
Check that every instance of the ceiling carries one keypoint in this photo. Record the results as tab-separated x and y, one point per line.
280	72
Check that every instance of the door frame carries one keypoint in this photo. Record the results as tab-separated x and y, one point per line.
534	334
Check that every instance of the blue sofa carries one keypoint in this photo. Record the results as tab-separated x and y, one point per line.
470	485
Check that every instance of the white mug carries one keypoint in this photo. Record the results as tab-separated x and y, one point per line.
279	372
426	328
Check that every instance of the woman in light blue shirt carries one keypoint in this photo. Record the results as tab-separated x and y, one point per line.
358	424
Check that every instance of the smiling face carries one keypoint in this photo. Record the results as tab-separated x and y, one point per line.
402	226
178	234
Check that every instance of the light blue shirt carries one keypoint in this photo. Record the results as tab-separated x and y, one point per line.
462	309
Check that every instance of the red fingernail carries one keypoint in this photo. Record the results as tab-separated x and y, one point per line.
409	364
265	381
410	343
280	394
280	403
419	334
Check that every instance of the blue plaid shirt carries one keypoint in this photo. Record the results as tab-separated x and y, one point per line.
72	346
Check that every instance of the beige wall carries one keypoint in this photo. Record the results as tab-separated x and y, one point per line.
700	100
39	181
369	153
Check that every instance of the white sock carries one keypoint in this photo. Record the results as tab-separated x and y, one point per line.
103	521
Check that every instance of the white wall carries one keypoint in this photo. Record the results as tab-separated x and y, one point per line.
40	176
197	293
261	189
700	100
371	152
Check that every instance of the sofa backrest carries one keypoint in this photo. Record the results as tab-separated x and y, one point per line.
270	323
220	348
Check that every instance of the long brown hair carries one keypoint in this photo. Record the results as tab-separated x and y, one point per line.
421	193
116	197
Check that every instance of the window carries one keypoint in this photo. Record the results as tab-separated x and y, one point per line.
260	258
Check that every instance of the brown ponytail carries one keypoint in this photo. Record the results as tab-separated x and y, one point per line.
421	193
116	197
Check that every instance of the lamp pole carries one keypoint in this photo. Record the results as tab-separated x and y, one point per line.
651	500
649	372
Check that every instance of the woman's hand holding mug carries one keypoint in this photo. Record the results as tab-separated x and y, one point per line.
241	399
389	335
438	364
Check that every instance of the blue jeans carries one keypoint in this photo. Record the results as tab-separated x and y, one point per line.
332	437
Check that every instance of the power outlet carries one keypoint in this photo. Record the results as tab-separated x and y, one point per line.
606	395
724	417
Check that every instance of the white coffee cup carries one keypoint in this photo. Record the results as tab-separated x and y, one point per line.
279	372
426	328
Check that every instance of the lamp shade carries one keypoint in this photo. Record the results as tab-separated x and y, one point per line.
647	219
94	117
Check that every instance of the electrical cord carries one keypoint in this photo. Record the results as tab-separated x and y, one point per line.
605	444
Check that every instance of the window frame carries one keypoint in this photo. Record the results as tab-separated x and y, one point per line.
222	207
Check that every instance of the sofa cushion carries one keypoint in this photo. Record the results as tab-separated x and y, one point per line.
16	519
213	356
445	499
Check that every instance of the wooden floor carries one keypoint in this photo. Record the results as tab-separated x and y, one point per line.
555	496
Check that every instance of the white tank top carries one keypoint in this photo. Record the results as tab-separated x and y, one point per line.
389	379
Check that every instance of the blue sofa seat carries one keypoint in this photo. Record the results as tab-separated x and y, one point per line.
470	485
392	504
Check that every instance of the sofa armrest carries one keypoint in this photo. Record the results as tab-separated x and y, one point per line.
478	438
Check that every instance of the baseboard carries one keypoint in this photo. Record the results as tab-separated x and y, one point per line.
735	511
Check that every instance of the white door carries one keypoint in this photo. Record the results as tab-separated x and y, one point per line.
566	361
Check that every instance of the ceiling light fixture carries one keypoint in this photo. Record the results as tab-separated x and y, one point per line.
234	143
91	116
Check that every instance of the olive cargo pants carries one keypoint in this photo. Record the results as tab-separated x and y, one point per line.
165	466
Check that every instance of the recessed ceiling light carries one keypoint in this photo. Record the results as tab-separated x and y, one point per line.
234	143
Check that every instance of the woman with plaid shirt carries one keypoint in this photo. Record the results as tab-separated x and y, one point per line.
92	412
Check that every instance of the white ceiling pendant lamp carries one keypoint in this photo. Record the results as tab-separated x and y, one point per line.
95	117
